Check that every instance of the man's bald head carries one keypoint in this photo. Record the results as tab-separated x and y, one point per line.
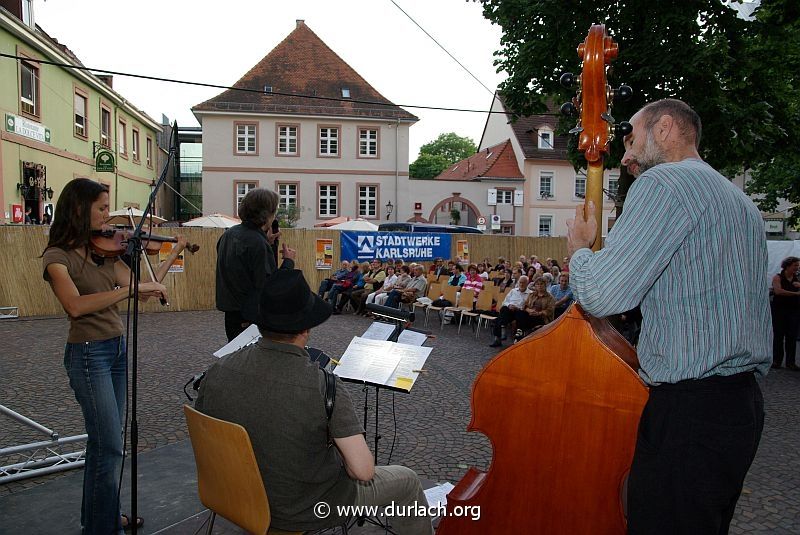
685	118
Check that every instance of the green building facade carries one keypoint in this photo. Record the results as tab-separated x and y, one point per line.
56	120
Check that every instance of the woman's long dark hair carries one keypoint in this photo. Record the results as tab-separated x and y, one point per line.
71	226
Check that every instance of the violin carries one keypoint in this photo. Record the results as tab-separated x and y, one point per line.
562	406
110	243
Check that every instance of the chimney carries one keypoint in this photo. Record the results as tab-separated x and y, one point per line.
300	22
106	79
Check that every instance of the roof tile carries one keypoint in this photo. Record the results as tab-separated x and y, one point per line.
498	162
303	66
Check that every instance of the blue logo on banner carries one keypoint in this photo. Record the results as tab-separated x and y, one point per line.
385	245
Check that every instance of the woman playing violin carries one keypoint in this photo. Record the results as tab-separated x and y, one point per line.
89	286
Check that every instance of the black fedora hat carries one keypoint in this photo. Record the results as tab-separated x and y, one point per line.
287	305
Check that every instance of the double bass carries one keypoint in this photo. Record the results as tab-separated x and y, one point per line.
561	407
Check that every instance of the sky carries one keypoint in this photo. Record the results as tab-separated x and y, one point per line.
207	42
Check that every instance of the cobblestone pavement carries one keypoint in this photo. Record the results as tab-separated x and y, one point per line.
431	421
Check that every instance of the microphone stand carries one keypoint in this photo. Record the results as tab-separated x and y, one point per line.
134	251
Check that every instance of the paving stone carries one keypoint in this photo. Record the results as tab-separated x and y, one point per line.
431	421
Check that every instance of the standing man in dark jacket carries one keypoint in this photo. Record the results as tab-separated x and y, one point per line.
245	259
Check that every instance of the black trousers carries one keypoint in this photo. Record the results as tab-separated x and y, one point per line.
234	325
696	441
785	323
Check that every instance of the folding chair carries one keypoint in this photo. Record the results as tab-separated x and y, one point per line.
448	292
465	299
228	479
434	291
484	302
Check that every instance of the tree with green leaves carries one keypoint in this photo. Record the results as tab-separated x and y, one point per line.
434	157
739	75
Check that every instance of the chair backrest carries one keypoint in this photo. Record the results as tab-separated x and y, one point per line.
228	479
443	279
484	300
487	284
466	298
432	277
434	291
449	292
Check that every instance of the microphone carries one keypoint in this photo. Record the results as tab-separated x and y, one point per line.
394	314
275	245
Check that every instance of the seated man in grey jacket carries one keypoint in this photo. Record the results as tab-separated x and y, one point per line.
313	467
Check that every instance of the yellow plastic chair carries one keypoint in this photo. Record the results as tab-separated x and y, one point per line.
228	479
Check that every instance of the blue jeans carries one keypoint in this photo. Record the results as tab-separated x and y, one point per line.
97	374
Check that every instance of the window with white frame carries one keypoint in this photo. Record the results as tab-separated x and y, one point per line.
29	88
328	200
545	139
80	114
368	143
287	194
241	190
105	127
328	141
246	139
135	145
368	201
546	184
149	153
613	186
545	225
580	185
122	139
287	140
505	196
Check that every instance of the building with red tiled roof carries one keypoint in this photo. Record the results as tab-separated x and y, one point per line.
304	123
551	188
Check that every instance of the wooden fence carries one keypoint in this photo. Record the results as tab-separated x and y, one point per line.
22	286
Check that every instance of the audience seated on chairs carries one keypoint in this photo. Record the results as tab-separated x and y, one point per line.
306	453
403	278
512	309
328	283
345	283
562	293
344	292
473	282
482	273
457	277
386	287
373	280
409	294
539	307
438	267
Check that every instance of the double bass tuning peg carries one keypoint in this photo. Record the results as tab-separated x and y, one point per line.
568	79
622	129
569	109
623	93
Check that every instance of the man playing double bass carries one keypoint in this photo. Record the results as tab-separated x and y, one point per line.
701	345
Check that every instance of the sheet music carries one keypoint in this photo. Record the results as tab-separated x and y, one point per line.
438	495
412	360
367	360
412	338
248	336
378	331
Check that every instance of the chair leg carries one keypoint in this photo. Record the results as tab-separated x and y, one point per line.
211	523
460	319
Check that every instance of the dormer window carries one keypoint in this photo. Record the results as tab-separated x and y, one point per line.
267	89
545	139
345	92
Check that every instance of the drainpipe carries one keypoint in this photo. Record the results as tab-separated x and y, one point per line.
396	168
114	131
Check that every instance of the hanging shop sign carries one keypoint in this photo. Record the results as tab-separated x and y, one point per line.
104	162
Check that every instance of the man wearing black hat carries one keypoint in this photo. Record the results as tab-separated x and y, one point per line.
277	394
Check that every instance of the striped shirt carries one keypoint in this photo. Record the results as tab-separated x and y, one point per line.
690	248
